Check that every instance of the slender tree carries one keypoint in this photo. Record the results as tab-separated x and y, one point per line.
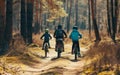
37	25
94	22
69	16
76	7
108	16
114	14
89	18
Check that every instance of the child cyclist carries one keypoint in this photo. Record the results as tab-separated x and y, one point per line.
46	37
75	36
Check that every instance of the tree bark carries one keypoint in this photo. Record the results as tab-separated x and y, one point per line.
76	7
89	18
95	23
2	23
8	27
68	18
114	9
29	20
23	20
108	17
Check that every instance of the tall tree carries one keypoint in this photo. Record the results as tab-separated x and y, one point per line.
29	20
94	22
76	7
89	18
114	14
8	27
108	18
36	24
23	20
2	24
69	15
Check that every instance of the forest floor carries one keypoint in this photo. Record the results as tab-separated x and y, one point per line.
52	65
33	61
30	59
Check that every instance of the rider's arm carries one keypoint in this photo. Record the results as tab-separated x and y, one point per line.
80	35
65	34
42	36
50	36
54	34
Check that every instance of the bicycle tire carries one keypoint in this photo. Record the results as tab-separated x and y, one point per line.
46	49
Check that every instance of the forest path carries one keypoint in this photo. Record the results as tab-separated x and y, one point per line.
64	65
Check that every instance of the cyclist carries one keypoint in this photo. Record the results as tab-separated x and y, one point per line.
59	34
75	36
47	37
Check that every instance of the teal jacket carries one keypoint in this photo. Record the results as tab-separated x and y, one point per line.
75	35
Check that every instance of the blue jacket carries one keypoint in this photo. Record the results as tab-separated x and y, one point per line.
75	35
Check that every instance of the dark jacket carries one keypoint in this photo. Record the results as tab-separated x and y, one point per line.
46	36
59	33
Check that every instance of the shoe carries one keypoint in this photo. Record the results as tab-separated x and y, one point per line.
79	55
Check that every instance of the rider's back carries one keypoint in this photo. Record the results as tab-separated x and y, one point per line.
75	35
59	33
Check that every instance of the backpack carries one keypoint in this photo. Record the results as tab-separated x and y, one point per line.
75	36
59	33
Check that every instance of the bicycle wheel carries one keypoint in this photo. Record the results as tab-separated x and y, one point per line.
46	49
76	52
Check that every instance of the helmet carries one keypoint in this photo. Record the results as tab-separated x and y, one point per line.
46	30
59	26
75	27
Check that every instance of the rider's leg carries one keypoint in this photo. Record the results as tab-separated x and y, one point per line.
63	46
72	52
49	44
43	45
56	46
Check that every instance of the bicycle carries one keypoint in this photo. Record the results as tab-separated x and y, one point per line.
59	47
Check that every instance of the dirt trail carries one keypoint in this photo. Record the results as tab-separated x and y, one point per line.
64	65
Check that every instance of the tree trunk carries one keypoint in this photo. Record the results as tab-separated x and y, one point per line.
89	20
8	28
68	18
23	20
114	9
29	20
108	17
36	24
76	7
95	23
2	23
